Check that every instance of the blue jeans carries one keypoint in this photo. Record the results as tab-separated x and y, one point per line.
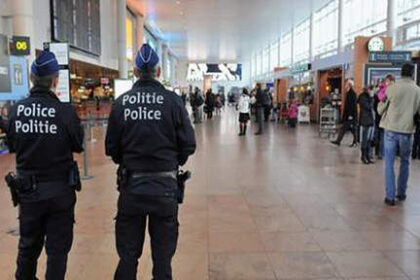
367	139
402	143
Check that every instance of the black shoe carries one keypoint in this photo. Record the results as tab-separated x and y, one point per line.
258	133
389	202
402	197
370	161
336	143
353	145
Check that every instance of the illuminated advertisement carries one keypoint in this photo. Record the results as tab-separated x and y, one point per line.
217	72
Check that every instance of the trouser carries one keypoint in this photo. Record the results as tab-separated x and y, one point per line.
367	133
348	125
416	145
292	122
210	114
403	143
196	114
267	112
379	142
260	120
48	222
162	215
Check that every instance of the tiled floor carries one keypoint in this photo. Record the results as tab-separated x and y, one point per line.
286	205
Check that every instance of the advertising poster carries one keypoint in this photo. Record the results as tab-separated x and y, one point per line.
18	79
5	83
374	75
61	51
63	89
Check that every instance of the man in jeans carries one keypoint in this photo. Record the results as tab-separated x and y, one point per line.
260	108
398	111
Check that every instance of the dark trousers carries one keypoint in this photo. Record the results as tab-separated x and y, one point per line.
133	211
416	145
260	118
48	222
348	126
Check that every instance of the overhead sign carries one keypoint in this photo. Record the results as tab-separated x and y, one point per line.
20	46
390	57
301	68
376	44
217	72
61	51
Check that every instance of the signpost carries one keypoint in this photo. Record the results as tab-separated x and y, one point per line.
61	51
390	57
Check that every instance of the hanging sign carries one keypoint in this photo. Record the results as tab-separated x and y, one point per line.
20	46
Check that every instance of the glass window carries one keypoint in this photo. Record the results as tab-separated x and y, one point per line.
370	19
286	50
259	63
326	30
408	21
301	37
266	60
274	55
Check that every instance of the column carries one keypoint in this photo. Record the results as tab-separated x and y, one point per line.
164	64
23	22
391	22
122	38
340	25
279	56
139	30
292	43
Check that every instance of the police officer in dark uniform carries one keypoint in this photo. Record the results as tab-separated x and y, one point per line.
44	133
149	135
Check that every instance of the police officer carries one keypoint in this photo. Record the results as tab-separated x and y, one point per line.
149	135
44	133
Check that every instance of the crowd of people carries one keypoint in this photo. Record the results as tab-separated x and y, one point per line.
205	105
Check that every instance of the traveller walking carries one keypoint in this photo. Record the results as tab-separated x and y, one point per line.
209	104
349	116
260	108
398	109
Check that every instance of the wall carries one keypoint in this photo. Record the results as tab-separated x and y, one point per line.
42	29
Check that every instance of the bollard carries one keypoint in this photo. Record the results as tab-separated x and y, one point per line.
86	175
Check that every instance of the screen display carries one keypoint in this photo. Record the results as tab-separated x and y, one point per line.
78	23
218	72
374	75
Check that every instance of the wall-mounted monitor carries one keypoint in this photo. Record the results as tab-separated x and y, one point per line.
218	72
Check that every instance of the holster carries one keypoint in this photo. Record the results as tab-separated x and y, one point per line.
74	177
182	178
12	183
122	177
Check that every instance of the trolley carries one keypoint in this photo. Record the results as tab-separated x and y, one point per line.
328	122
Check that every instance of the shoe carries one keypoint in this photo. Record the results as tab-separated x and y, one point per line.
353	145
389	202
258	133
402	197
336	143
380	158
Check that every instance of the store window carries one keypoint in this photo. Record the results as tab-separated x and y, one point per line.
286	50
301	37
326	30
408	21
274	55
370	19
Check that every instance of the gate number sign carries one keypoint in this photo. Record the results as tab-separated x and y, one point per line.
20	46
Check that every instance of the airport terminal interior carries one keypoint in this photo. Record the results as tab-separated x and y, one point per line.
288	199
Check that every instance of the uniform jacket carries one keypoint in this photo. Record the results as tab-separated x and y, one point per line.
152	135
350	107
366	115
44	133
400	107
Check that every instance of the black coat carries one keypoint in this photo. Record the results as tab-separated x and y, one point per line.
259	98
350	107
149	129
366	116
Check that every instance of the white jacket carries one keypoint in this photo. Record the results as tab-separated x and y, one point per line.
244	104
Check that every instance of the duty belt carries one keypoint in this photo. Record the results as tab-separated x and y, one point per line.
167	174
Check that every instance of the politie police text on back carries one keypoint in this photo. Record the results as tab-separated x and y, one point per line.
35	119
142	112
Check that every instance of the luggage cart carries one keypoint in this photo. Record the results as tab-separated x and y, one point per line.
328	122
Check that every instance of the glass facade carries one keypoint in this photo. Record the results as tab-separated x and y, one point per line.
301	37
326	30
359	18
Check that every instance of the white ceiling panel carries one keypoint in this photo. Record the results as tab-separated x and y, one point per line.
222	30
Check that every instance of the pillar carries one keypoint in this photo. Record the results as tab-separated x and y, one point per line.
340	25
391	22
279	55
122	38
139	31
292	43
164	63
23	22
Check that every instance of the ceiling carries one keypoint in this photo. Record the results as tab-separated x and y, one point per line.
221	30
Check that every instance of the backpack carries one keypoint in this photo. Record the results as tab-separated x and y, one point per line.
266	100
200	100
